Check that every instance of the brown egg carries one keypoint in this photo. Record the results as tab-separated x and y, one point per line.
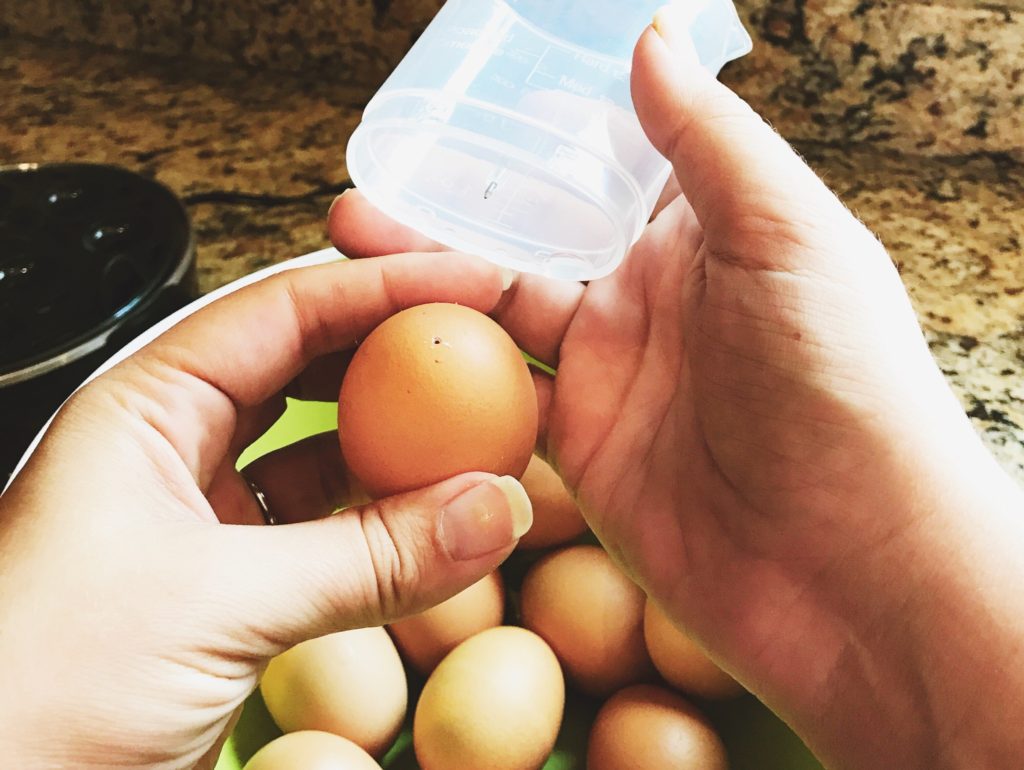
351	684
681	661
435	391
426	638
556	517
592	616
311	750
650	728
495	702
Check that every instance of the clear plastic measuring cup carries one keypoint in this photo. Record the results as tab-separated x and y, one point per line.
509	131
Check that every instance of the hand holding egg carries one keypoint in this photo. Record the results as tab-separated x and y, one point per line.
747	412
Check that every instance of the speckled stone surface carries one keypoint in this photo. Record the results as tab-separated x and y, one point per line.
257	159
925	77
943	77
258	153
350	40
954	226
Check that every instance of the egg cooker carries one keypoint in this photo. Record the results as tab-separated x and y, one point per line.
90	256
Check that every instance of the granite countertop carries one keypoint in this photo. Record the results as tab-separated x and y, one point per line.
910	111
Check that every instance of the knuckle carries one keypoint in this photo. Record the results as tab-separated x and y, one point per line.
393	568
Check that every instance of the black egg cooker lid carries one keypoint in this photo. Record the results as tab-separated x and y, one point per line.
83	248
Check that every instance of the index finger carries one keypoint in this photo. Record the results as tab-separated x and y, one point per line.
191	383
251	344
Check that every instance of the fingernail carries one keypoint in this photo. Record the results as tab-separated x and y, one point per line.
508	277
673	23
334	203
661	22
337	200
485	518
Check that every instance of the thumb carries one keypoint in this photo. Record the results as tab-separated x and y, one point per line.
732	167
370	565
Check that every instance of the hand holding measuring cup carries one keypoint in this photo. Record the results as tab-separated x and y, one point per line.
756	430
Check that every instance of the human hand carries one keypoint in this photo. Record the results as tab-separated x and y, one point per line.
137	605
755	428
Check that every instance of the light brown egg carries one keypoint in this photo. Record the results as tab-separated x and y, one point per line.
435	391
556	517
495	703
426	638
310	750
592	616
681	661
650	728
351	684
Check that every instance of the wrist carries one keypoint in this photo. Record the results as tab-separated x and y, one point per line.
929	668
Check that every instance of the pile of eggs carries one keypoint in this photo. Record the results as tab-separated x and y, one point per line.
495	659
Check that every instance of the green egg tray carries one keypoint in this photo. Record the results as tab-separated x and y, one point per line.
755	739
